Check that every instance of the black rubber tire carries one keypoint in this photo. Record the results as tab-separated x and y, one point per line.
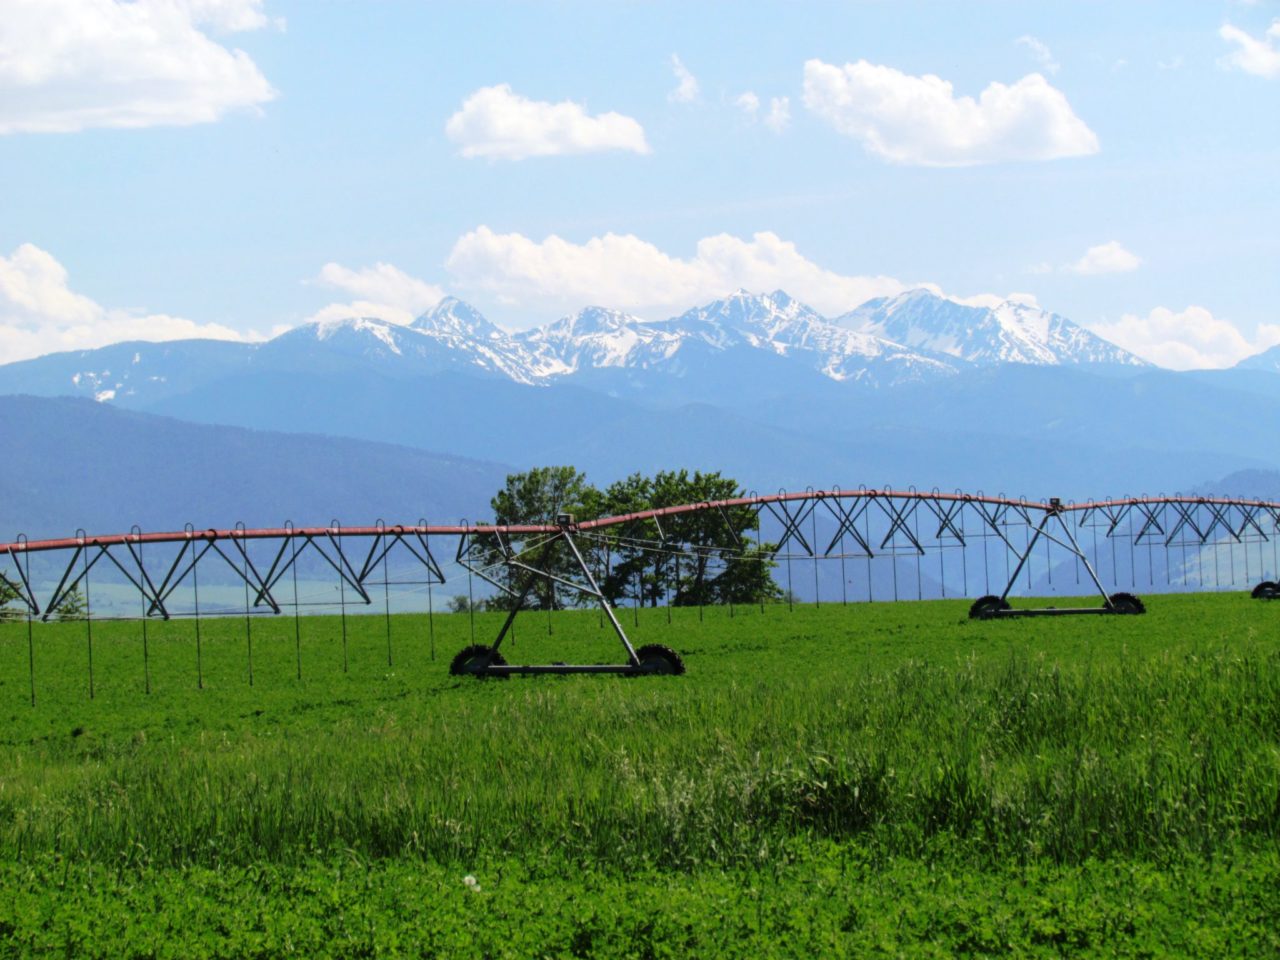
984	608
1266	590
1127	603
475	660
659	660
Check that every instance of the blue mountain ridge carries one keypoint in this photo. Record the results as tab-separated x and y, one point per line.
760	387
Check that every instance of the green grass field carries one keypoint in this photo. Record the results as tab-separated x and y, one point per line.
885	779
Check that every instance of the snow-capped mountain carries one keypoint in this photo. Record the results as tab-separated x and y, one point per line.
779	324
771	340
1011	332
451	336
460	329
760	386
596	338
774	324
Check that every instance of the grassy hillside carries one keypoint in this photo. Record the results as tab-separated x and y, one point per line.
888	777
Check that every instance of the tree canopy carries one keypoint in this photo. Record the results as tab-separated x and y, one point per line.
538	496
705	556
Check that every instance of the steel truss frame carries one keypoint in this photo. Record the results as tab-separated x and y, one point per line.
907	522
487	661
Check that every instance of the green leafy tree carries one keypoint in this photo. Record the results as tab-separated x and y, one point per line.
701	556
723	564
539	496
631	550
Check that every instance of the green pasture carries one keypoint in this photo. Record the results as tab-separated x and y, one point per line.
832	780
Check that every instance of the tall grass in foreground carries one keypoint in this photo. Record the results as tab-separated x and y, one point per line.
1141	737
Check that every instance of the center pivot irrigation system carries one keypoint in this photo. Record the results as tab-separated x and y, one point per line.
931	537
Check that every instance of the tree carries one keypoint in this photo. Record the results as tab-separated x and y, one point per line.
629	549
701	556
72	606
539	496
696	557
8	596
724	566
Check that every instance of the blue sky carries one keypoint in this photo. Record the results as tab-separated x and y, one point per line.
233	167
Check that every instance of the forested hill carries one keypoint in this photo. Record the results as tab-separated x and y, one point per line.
74	463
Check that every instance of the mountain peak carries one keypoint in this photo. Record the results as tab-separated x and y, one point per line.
743	310
452	316
590	319
596	337
1010	332
355	335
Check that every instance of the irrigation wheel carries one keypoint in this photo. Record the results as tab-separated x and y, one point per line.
656	659
475	661
1266	590
984	608
1126	603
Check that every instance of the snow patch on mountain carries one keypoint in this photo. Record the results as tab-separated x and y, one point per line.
783	325
377	329
1010	332
596	338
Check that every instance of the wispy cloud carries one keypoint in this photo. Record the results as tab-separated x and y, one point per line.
686	90
779	116
1259	56
748	103
1040	50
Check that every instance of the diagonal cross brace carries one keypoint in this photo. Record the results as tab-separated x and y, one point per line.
898	517
846	522
791	523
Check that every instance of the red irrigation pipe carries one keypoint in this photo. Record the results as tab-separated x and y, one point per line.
479	529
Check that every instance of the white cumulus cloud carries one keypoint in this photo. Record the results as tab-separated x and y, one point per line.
383	290
1192	339
1257	55
497	123
68	65
1105	258
919	120
748	103
40	313
626	272
686	90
